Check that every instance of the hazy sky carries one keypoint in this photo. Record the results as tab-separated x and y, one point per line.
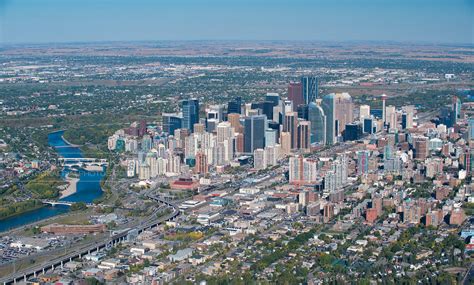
34	21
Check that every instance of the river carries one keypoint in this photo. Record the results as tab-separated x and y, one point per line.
87	189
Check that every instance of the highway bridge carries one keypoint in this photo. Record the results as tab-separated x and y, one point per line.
114	240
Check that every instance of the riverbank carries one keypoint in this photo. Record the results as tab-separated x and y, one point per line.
71	188
25	211
69	143
85	189
63	217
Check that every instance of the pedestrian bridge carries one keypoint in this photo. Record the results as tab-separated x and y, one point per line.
65	203
54	203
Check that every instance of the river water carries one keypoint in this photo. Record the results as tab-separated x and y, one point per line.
87	188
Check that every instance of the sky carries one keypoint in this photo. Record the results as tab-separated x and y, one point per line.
50	21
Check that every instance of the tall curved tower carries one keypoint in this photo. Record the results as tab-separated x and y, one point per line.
318	123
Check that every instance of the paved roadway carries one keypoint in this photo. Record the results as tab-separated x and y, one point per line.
232	186
78	252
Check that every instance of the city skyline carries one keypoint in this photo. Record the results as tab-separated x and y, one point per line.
236	142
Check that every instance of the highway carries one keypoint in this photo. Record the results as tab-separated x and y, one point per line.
151	222
91	247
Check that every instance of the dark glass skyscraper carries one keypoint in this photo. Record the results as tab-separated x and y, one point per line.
190	113
368	126
254	132
404	120
235	106
309	86
266	108
274	98
171	122
352	132
302	111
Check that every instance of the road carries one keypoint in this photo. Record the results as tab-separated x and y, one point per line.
93	246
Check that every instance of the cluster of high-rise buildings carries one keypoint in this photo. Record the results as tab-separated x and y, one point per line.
211	139
218	135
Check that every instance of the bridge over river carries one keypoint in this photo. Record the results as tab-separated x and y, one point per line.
65	203
112	241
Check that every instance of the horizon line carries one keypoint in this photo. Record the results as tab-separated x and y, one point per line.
390	42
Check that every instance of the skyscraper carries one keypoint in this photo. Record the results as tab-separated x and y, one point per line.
239	143
309	85
215	112
259	161
171	122
343	114
470	129
420	144
318	123
285	141
364	112
456	111
302	170
328	106
407	116
302	111
190	113
234	120
254	132
295	93
271	137
274	98
384	98
338	108
304	135
290	124
235	106
363	162
368	125
391	117
201	163
352	132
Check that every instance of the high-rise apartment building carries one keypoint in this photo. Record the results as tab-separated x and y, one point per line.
363	162
201	163
421	148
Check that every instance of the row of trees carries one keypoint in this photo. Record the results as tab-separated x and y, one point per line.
45	185
8	209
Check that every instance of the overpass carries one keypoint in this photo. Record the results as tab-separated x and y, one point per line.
112	241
